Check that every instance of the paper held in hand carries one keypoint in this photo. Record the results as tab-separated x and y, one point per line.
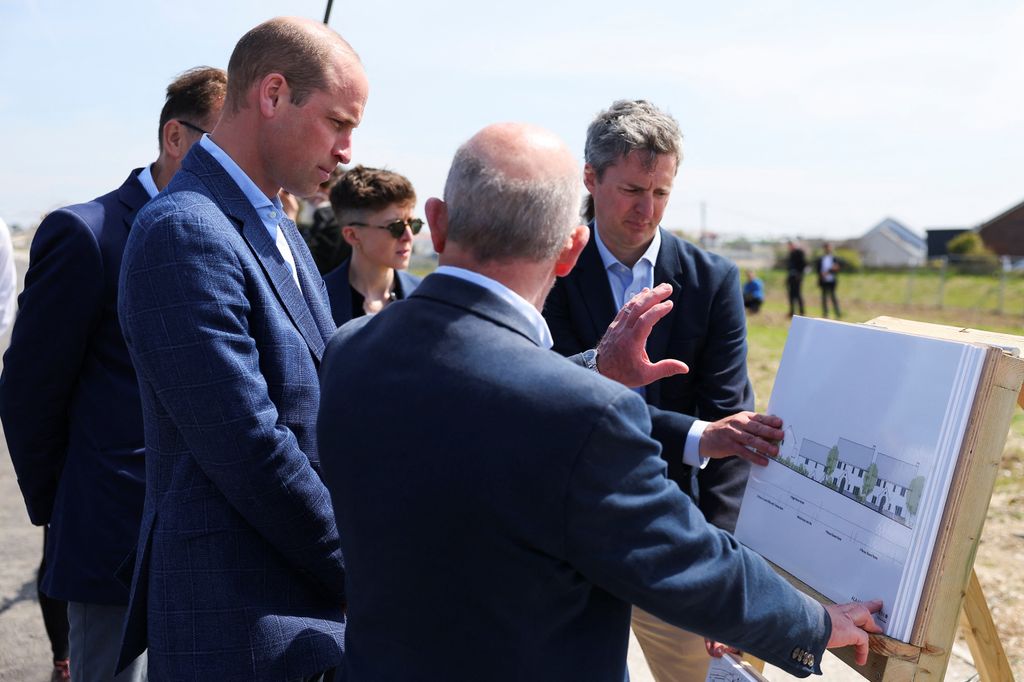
874	422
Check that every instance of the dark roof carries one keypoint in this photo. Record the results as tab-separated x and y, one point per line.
938	240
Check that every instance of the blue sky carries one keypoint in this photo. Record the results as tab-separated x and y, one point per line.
799	118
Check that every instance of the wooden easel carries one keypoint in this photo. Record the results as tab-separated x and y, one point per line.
951	581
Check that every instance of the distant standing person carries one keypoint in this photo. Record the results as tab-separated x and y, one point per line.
796	264
69	395
828	269
753	292
374	208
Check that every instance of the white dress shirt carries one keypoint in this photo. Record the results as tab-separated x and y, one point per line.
532	315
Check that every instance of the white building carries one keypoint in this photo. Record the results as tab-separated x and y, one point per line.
890	492
854	460
891	244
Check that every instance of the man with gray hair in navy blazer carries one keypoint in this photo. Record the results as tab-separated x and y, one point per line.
510	542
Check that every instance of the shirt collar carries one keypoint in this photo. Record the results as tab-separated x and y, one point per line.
609	259
270	211
532	315
146	179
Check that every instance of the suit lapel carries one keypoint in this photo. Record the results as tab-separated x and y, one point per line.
235	204
312	282
666	269
593	289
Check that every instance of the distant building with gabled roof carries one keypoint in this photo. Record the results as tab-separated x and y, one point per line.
890	244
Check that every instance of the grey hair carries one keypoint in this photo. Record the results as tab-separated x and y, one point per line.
499	218
631	126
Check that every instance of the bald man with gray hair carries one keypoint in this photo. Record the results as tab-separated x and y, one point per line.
519	506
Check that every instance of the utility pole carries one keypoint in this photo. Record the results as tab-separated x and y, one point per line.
327	14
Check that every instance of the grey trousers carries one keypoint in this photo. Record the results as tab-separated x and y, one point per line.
95	641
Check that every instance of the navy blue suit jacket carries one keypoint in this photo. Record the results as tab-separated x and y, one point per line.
340	292
501	525
706	329
240	574
70	401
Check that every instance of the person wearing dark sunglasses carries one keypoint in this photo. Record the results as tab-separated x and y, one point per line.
374	208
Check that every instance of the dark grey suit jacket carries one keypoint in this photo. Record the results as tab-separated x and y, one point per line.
706	329
505	507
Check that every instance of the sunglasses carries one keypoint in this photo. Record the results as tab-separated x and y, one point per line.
192	126
396	227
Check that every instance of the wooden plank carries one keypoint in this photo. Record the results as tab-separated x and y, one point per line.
966	509
982	636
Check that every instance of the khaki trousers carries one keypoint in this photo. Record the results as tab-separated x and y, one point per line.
673	655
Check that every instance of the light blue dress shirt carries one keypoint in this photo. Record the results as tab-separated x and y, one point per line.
271	211
146	179
627	282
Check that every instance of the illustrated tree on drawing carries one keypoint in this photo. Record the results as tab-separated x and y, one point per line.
832	461
914	494
870	481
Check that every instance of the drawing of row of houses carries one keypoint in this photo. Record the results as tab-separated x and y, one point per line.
882	482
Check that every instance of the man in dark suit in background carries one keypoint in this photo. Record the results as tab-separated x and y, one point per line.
796	264
827	267
632	154
520	530
69	398
240	575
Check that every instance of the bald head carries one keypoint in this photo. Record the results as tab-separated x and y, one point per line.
301	50
512	193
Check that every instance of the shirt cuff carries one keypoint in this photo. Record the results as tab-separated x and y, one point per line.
691	449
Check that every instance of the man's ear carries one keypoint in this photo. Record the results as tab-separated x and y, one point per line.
589	178
175	140
271	93
566	261
437	219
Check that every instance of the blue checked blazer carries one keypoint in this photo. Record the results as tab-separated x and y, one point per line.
239	572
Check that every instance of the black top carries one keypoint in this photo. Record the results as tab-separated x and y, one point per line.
797	261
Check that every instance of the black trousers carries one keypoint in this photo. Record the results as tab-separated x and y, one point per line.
55	614
828	290
794	282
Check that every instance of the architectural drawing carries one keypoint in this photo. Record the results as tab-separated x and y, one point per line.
883	483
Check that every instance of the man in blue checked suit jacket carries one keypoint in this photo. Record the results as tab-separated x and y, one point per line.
510	543
239	573
69	397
